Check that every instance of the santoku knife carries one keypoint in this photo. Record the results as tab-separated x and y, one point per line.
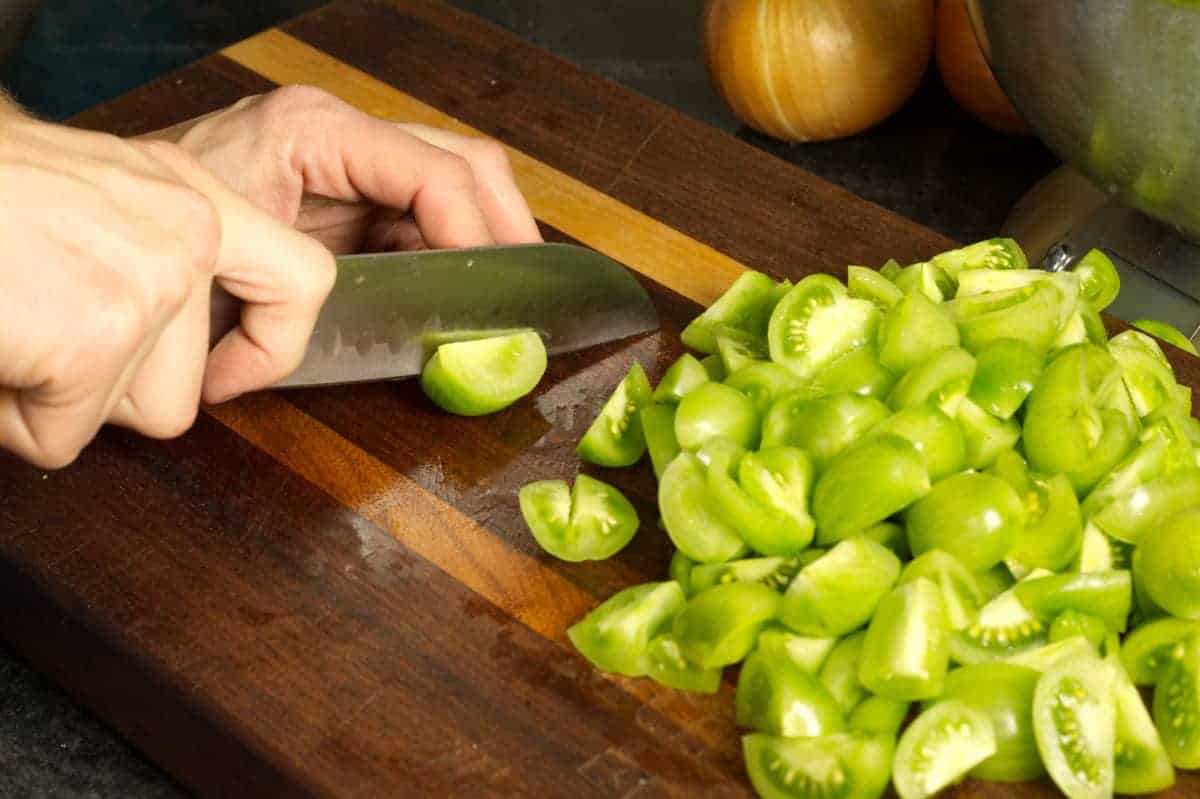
387	311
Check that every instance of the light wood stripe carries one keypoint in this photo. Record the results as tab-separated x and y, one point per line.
539	598
662	253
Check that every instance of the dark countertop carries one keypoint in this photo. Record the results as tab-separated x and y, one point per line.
930	162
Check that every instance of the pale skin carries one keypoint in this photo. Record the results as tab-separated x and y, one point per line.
111	247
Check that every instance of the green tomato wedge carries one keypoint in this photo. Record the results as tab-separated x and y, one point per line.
996	253
615	437
994	581
1053	531
865	283
1101	282
720	626
763	383
1072	624
933	433
714	366
822	427
878	715
839	674
816	322
890	535
1030	314
1166	332
715	410
779	479
940	747
838	766
993	285
658	429
615	635
694	528
1063	430
1074	723
838	592
807	652
1043	657
681	377
1146	650
866	484
962	598
1099	552
592	521
1108	595
1083	326
739	349
1177	703
1003	628
775	695
1168	565
942	379
680	570
746	304
472	378
1006	371
774	572
666	664
927	279
1145	369
856	372
984	436
905	653
912	330
973	516
890	269
1140	761
1003	692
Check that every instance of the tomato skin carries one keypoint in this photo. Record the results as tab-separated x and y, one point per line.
857	372
984	436
615	635
775	695
822	427
1101	281
1073	623
933	433
912	330
666	664
746	304
599	524
658	428
615	438
1053	531
865	283
1147	649
1147	507
1167	333
778	479
687	514
1168	565
680	571
720	626
1107	595
681	377
474	378
974	516
1005	693
961	595
839	673
1006	372
715	410
763	383
1177	704
889	464
880	715
1141	764
1030	314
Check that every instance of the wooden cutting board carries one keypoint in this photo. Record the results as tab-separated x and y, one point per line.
331	592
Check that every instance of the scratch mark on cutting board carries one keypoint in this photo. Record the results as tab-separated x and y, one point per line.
637	152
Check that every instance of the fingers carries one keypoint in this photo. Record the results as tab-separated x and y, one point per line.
504	207
282	276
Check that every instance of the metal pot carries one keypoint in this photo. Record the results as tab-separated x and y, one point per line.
1112	87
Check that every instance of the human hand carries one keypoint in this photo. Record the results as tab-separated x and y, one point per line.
110	249
355	182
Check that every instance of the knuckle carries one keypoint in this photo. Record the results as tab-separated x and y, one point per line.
490	154
296	102
169	422
452	169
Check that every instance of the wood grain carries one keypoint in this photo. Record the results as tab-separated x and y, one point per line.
330	592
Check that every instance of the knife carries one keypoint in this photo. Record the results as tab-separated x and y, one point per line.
387	312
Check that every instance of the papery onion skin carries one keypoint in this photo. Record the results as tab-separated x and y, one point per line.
966	73
813	70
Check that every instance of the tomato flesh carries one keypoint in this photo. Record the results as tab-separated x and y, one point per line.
472	378
962	597
995	253
1074	723
838	766
615	437
615	635
694	527
1169	565
1147	649
1107	595
905	653
893	469
593	522
912	330
865	283
1003	628
1005	373
838	592
822	427
1101	281
658	429
984	436
1004	692
806	652
839	674
715	410
681	377
1177	703
1140	761
938	749
746	304
666	664
879	715
763	383
816	322
943	379
720	626
775	695
1167	333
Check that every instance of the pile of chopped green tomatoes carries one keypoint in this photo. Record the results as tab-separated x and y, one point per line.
944	523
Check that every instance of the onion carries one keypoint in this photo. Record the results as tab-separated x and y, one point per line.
966	73
810	70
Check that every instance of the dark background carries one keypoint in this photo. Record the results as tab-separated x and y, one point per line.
929	162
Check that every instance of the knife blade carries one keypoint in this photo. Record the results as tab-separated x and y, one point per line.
388	311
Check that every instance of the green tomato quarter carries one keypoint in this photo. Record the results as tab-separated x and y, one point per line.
816	322
865	283
935	435
658	429
838	592
822	427
905	654
1006	371
694	527
746	304
1074	724
1169	565
1004	692
912	330
1140	761
866	484
666	664
715	410
1101	282
775	695
1146	650
973	516
842	765
1177	704
940	747
962	597
614	637
763	383
941	379
472	378
720	626
681	377
615	437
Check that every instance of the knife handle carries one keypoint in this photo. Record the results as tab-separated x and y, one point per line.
224	314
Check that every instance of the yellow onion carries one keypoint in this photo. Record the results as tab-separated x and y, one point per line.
810	70
967	75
